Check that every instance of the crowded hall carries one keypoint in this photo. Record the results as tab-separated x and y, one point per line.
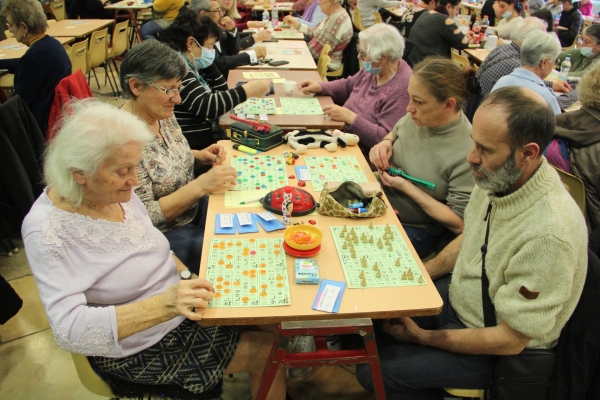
300	199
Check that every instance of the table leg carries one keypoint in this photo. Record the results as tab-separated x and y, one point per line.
280	358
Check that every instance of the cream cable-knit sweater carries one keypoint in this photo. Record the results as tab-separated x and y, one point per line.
538	240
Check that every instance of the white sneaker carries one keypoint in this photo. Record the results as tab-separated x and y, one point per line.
300	344
334	343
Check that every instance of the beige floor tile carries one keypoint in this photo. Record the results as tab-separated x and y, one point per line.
34	367
15	266
31	318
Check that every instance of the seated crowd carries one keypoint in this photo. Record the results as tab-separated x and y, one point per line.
122	217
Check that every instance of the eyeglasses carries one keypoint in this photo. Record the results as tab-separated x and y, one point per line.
216	11
168	92
362	54
197	44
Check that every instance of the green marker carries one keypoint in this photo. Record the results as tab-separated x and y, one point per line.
251	201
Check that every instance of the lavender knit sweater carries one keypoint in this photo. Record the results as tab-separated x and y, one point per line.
377	108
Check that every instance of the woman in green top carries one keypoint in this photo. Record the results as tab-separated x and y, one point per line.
430	143
583	58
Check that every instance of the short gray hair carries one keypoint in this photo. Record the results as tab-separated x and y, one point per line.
382	39
88	137
199	5
589	87
537	46
525	26
594	32
29	12
150	61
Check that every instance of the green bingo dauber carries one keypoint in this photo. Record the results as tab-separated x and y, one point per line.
400	172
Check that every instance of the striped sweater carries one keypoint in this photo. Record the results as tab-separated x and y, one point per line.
335	30
199	105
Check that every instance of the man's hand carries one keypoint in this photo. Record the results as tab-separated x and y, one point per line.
265	34
338	113
227	24
403	329
561	87
261	51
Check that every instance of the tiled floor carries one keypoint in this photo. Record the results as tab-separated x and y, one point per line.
33	367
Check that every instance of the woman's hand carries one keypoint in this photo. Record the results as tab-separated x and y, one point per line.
403	329
261	51
214	154
219	178
227	23
188	298
309	87
257	88
395	182
338	113
380	155
256	24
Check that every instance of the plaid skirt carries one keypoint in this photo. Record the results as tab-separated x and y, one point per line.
188	363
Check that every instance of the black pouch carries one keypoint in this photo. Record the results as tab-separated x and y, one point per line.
524	376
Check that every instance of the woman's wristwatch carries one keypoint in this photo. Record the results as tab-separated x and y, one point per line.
186	274
387	139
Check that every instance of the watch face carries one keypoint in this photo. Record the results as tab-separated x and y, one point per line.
186	274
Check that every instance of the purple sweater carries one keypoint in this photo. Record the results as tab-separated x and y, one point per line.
377	108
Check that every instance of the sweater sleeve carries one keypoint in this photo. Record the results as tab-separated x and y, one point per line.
453	35
11	64
32	73
340	89
146	195
204	104
460	186
541	265
226	63
76	327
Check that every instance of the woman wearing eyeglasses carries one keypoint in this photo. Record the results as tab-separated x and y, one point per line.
151	75
44	64
205	95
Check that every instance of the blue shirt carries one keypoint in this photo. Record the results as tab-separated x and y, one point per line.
524	78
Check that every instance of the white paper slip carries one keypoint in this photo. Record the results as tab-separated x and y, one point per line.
328	298
304	175
250	116
226	220
241	115
263	117
267	216
244	218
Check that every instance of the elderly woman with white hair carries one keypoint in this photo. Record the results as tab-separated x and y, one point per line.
375	98
111	288
538	55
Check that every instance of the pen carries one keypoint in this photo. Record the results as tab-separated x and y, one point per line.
251	201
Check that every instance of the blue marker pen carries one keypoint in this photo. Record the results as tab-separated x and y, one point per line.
356	205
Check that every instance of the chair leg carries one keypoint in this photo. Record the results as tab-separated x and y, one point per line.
115	90
106	69
96	77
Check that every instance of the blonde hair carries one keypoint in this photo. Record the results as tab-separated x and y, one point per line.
588	89
233	12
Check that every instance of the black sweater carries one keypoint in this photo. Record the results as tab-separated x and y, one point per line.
36	75
572	20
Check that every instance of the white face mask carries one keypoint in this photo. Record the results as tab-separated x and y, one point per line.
586	51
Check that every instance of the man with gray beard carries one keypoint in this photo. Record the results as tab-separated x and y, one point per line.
531	235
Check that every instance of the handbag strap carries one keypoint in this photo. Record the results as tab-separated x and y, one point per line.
489	312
